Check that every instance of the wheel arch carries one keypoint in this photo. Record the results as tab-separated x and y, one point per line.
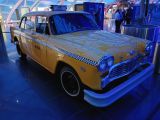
60	65
15	39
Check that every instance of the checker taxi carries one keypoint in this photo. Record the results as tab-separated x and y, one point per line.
91	63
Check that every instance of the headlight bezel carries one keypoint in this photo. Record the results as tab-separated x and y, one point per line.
105	63
148	48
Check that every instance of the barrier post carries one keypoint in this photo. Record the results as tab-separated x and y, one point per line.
156	60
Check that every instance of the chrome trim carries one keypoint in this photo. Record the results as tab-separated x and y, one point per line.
108	79
109	97
106	57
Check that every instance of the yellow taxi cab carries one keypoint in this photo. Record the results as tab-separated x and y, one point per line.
93	63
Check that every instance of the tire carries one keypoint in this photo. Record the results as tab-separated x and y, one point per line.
70	82
19	51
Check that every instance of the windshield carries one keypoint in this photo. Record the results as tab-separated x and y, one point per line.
72	22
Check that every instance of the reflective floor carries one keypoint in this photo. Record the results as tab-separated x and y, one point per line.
29	92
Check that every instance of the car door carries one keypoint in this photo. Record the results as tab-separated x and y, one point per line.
27	26
40	38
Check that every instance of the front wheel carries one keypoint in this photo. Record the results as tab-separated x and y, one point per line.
70	82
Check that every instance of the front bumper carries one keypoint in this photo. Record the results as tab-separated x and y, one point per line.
105	99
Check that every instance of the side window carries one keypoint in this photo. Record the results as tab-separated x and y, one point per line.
42	25
30	23
22	25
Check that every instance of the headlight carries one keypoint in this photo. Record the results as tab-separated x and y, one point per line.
148	48
105	63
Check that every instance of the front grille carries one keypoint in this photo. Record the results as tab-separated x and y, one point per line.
121	80
123	68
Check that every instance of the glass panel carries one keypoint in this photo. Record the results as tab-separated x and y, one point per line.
42	25
72	22
30	23
23	23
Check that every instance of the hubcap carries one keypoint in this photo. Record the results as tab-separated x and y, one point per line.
70	83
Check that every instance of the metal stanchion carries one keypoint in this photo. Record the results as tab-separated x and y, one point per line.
156	60
0	28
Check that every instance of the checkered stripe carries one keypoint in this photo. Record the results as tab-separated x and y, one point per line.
80	58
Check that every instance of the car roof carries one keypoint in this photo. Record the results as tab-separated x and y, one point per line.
50	13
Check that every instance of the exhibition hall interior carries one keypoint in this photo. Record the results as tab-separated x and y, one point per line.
79	59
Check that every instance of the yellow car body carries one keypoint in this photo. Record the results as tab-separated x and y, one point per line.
81	50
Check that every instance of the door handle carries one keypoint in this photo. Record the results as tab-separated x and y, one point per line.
37	47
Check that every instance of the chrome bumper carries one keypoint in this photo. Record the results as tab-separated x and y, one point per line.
105	99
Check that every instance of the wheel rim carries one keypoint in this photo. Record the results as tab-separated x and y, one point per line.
70	83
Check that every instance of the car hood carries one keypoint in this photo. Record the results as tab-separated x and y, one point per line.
96	44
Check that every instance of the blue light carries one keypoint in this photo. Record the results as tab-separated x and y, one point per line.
105	63
149	48
103	66
110	62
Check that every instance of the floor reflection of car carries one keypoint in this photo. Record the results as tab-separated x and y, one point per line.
90	63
